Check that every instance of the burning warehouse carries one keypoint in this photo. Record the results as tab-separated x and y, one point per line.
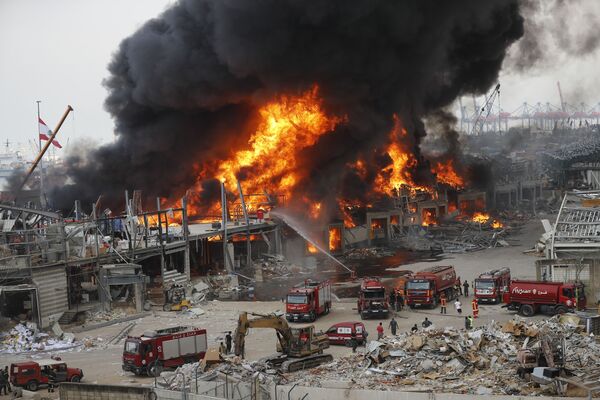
280	161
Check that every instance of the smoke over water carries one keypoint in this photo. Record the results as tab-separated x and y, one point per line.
187	90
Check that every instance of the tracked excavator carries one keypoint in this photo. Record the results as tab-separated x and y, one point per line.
299	348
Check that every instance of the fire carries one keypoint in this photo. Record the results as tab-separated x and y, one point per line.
446	173
269	163
396	175
311	248
315	210
287	126
481	218
428	217
345	208
335	239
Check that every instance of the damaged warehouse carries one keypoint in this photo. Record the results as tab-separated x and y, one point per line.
284	199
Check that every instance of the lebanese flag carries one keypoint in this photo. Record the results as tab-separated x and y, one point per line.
45	133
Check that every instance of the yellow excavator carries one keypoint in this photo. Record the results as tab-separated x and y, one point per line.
300	348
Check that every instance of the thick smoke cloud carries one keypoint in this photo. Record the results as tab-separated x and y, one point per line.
183	89
555	31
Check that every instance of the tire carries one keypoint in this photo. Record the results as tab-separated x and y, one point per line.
184	309
434	303
167	307
561	309
526	310
313	316
362	316
32	386
76	378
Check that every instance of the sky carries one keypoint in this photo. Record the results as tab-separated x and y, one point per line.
58	51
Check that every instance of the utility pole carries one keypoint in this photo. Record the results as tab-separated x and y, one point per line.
42	197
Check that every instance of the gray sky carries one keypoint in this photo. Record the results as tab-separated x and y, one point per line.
57	51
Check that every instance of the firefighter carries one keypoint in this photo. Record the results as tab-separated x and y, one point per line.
475	307
459	286
466	288
393	300
443	303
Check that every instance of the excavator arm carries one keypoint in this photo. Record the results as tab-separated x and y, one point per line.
271	321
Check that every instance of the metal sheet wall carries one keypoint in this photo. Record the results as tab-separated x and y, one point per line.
52	291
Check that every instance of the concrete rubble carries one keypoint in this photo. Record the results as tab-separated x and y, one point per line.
368	252
24	338
480	361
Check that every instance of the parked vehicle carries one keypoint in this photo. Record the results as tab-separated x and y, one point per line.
308	301
31	375
530	297
342	333
425	287
372	299
166	348
491	285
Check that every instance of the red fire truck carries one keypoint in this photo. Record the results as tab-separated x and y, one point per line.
491	285
165	348
426	286
308	301
529	297
372	299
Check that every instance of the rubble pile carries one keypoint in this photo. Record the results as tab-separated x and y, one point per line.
104	316
481	361
368	252
457	236
26	338
234	367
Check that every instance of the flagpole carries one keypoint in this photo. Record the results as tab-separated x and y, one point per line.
42	197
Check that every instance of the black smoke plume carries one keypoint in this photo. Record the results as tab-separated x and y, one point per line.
184	88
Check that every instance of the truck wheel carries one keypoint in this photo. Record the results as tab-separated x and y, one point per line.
167	307
313	316
434	303
561	309
362	315
32	386
76	378
526	310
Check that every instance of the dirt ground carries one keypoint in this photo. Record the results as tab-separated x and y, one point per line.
102	363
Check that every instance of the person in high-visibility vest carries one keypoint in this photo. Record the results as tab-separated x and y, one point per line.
443	303
475	306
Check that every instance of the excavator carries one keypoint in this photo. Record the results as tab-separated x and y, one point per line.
300	348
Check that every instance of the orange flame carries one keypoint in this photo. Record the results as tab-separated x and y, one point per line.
335	238
428	217
480	217
311	248
270	161
446	173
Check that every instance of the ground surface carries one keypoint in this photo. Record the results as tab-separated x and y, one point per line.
102	364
